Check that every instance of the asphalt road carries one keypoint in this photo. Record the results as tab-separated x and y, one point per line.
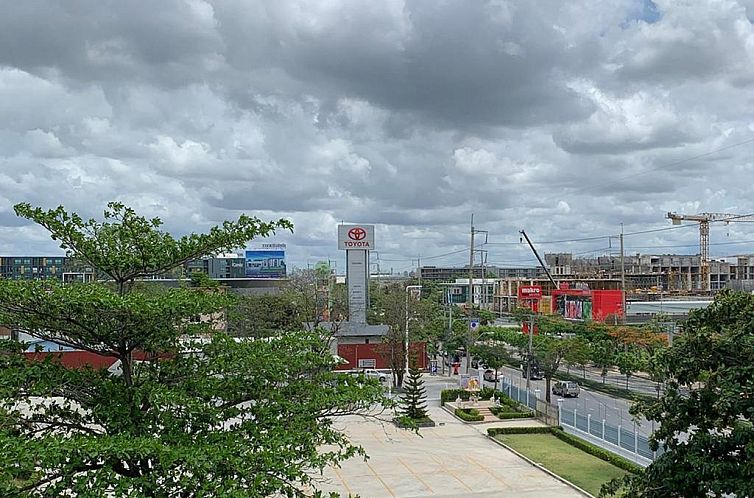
599	405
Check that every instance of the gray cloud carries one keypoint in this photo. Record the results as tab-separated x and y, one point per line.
565	118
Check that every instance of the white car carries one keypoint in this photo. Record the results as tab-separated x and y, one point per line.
373	374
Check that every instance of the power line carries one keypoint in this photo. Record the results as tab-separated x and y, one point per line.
667	165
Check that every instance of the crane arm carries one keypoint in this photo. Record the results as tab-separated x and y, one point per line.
729	218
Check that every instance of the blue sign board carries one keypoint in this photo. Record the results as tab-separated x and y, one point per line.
265	264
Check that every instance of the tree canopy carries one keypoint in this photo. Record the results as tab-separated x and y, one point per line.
186	410
706	408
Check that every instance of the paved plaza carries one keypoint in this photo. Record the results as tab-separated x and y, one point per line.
453	460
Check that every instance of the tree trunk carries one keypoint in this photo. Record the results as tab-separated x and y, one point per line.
547	388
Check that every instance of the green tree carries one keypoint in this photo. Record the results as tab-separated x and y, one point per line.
392	305
579	354
550	352
192	412
414	399
495	356
629	362
603	356
264	315
705	410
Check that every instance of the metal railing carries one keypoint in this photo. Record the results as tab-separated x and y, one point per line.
627	442
623	440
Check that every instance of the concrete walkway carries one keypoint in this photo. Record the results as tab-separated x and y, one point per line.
452	460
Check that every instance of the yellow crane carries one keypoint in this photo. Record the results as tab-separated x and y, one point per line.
704	220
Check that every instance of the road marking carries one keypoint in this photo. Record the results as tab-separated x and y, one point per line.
450	473
343	480
388	488
484	468
418	478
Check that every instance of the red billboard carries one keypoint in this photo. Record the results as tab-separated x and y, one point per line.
530	292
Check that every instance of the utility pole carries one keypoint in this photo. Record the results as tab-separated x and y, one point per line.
528	357
469	300
622	274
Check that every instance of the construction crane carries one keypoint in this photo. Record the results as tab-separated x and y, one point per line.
704	220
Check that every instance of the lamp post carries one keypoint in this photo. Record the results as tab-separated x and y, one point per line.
408	288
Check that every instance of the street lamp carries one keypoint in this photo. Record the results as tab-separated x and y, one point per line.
408	287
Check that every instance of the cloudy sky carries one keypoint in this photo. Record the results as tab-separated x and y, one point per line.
562	118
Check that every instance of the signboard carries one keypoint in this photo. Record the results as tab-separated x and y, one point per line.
356	237
530	292
356	275
474	324
266	262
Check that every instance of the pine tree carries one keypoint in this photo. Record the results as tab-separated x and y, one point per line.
414	400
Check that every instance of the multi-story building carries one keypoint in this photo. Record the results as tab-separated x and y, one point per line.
450	274
669	272
226	266
32	267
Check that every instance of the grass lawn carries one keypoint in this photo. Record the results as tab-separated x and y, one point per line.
584	470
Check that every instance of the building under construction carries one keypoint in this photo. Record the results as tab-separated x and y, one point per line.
659	272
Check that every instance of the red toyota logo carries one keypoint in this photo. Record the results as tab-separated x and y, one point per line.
357	233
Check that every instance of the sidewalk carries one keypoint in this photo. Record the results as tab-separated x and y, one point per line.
452	460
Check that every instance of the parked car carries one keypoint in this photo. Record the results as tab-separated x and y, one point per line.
374	374
490	375
566	389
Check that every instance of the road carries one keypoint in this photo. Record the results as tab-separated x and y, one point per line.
599	405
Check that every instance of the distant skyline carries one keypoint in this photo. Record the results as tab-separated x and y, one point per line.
565	119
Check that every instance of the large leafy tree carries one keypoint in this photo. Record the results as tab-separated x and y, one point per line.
391	305
706	408
184	414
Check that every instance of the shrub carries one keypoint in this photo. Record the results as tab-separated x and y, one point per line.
494	431
504	413
511	415
452	395
469	414
486	393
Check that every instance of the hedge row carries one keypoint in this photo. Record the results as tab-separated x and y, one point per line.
484	394
506	412
512	415
600	453
494	431
469	414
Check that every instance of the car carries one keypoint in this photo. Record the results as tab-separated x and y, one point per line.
475	363
490	375
374	374
535	373
566	389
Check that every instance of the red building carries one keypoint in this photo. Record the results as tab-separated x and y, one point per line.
585	304
375	355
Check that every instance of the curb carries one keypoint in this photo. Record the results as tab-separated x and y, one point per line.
548	471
